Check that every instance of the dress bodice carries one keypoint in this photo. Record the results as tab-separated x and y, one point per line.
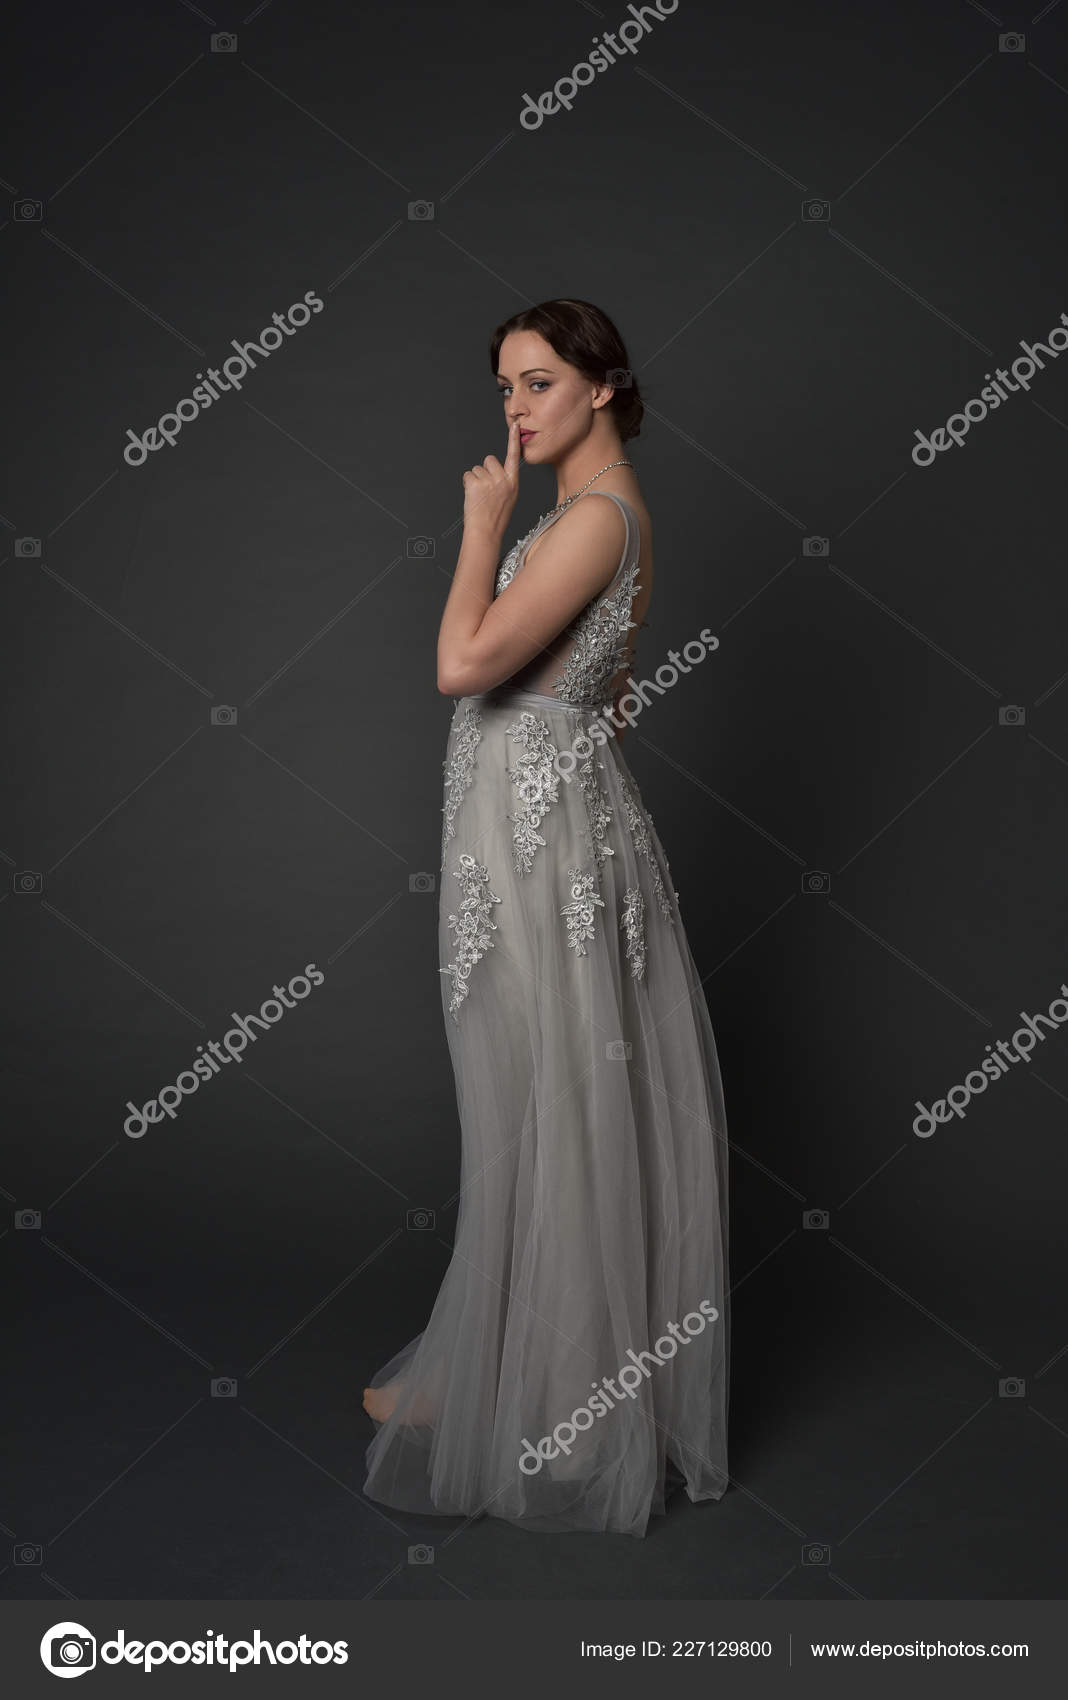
580	664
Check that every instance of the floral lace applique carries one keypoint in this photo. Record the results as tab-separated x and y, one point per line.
633	920
580	910
507	569
537	783
471	928
599	646
640	820
512	562
598	812
459	771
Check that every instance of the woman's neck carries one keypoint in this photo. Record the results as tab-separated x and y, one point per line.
586	459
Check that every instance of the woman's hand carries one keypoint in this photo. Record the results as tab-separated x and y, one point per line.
490	490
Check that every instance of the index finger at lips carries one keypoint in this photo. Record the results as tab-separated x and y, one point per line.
512	460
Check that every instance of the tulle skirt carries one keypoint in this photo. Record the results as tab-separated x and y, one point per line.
575	1364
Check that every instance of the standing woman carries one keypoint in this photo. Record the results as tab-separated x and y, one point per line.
575	1364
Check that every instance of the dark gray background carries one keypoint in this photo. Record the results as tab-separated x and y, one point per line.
848	723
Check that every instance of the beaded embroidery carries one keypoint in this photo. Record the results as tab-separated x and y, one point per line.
471	928
600	641
506	570
633	920
460	770
537	783
598	812
579	911
640	820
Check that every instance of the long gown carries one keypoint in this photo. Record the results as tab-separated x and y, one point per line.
575	1364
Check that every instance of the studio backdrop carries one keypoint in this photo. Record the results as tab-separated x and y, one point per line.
253	264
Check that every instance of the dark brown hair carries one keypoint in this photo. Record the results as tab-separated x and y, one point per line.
585	337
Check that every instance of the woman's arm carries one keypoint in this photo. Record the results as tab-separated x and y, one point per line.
469	599
490	491
573	563
482	640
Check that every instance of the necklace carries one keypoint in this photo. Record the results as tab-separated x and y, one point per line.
567	501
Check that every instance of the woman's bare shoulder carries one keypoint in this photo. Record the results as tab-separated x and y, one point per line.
574	524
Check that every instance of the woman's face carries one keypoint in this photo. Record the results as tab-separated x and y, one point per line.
552	401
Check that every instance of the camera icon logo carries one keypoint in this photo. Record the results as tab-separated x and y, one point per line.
816	881
27	548
27	1220
420	1221
815	212
68	1649
815	1219
419	548
27	212
814	1552
1011	42
223	1387
420	1555
816	548
224	42
1011	1388
1011	714
619	378
420	210
617	1050
27	882
224	714
421	882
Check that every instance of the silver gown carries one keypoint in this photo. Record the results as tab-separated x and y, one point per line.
575	1364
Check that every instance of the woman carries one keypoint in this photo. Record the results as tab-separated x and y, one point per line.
591	1244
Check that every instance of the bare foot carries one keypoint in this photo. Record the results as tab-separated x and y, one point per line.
381	1402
